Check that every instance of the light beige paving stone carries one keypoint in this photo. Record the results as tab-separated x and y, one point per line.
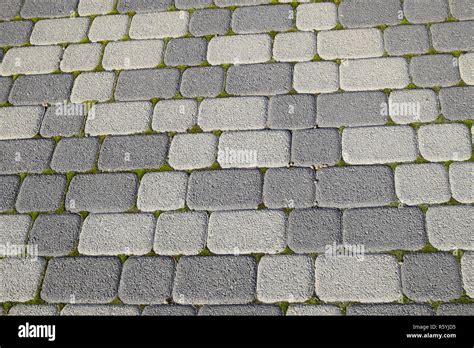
31	60
93	86
322	16
159	25
294	47
162	191
20	122
239	49
81	57
409	106
467	268
193	151
95	7
108	28
134	54
316	77
59	30
461	178
466	68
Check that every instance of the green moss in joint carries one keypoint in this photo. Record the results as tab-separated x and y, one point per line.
428	248
123	258
283	306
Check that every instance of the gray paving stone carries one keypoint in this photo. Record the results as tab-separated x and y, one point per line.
316	16
162	191
31	60
461	9
101	193
100	310
289	188
20	122
65	120
215	280
425	11
5	86
448	37
180	233
316	77
435	70
143	6
384	229
119	118
169	310
81	57
369	13
24	278
81	280
355	186
263	148
383	144
55	235
61	30
41	193
75	155
461	179
464	309
202	82
117	234
34	310
374	73
48	8
93	86
467	267
188	51
15	33
354	43
422	183
457	103
94	7
40	89
240	310
339	278
147	280
13	231
259	79
297	111
226	189
134	54
223	3
174	115
450	227
431	276
108	28
193	151
315	147
466	68
234	113
9	185
240	49
445	142
294	47
146	84
312	310
10	9
408	106
311	230
410	309
406	39
192	4
261	19
210	22
133	152
351	109
245	232
25	156
159	25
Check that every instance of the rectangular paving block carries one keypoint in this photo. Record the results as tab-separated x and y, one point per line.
374	73
431	276
31	60
23	277
34	310
466	68
234	113
133	152
369	13
75	154
215	280
311	17
25	156
240	310
223	3
174	115
210	22
247	231
467	267
134	54
202	82
445	142
294	47
385	229
5	86
9	185
193	151
93	86
351	109
61	30
41	193
119	118
226	189
294	111
461	177
117	234
48	8
169	310
95	7
162	191
450	227
435	70
392	309
100	310
355	186
186	51
406	39
339	278
460	309
457	103
81	280
159	25
261	19
353	43
415	105
312	310
192	4
287	278
265	148
13	232
102	193
64	119
315	147
461	9
316	77
147	280
239	49
448	37
81	57
259	79
425	11
20	122
40	89
382	144
15	33
143	6
10	9
108	28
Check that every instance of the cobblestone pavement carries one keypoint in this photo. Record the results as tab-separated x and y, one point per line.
213	157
